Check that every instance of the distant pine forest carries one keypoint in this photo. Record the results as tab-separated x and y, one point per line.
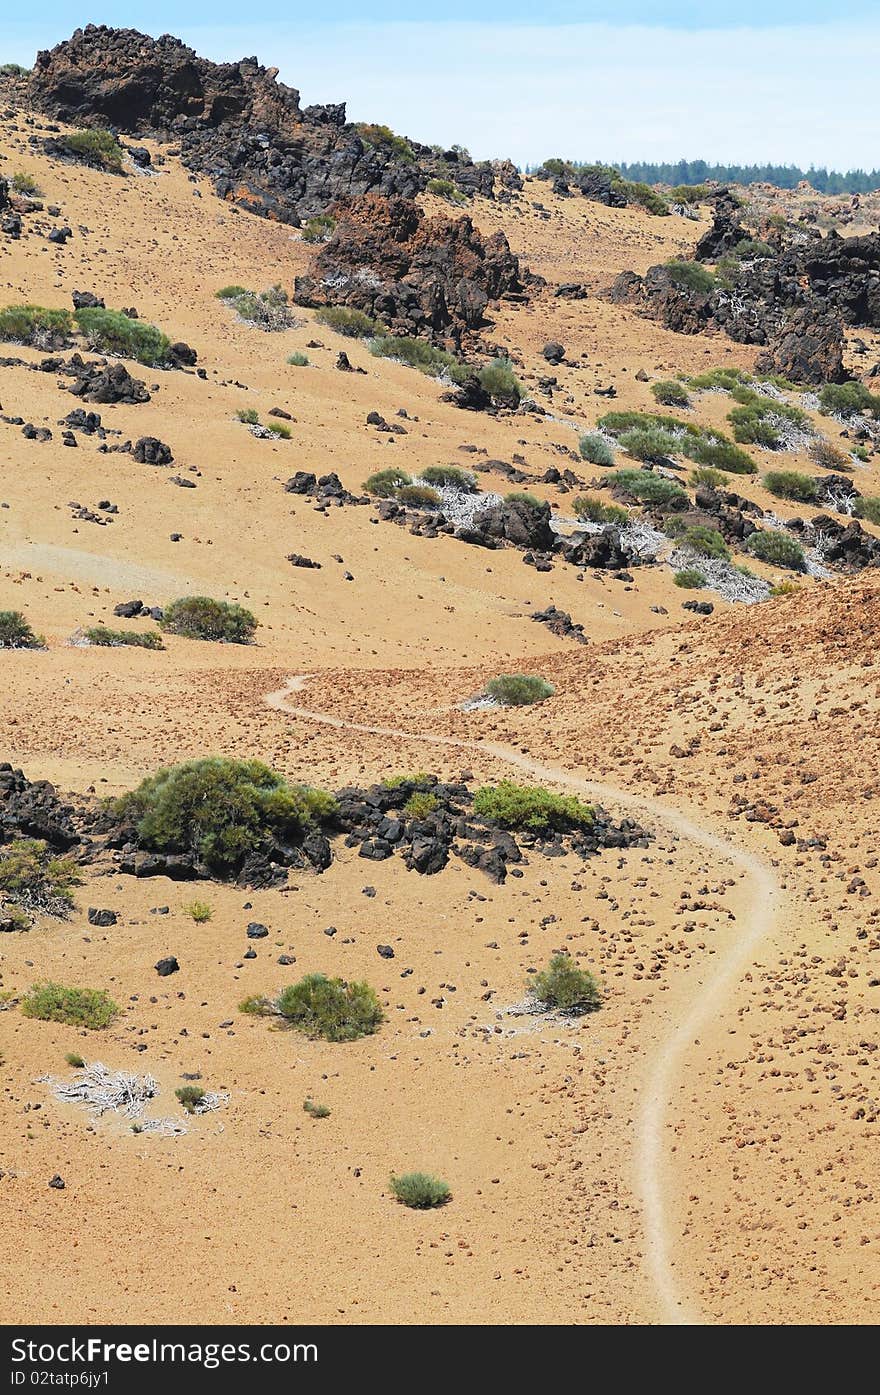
783	176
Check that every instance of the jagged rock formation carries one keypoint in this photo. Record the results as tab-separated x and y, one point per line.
236	123
415	274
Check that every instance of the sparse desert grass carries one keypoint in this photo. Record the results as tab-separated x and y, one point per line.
112	332
354	324
330	1008
868	507
16	633
315	1111
565	987
420	1191
418	353
318	229
519	689
74	1007
827	456
421	496
248	415
530	807
199	911
105	638
269	310
280	429
74	1059
200	617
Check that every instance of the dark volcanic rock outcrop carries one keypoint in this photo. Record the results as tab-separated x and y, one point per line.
415	274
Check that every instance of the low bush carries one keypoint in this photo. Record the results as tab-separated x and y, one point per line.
104	638
635	191
719	379
112	332
200	617
690	276
790	484
421	804
689	579
565	987
99	148
861	453
420	1191
385	139
445	189
451	475
420	780
16	633
785	588
521	496
650	444
418	353
519	689
848	400
595	449
199	911
708	542
221	810
499	380
36	326
720	454
190	1096
705	477
354	324
421	496
777	549
316	1111
689	193
331	1008
670	393
280	429
298	360
248	415
762	422
530	807
25	184
36	880
268	310
647	487
827	456
318	229
868	507
588	507
13	70
703	444
75	1007
384	484
231	292
74	1059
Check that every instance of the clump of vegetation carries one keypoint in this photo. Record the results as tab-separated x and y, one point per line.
707	478
36	326
689	579
521	496
421	804
268	310
316	1111
690	276
848	400
647	487
530	807
519	689
689	193
248	415
595	449
99	148
445	189
318	229
384	484
16	633
75	1007
105	638
34	880
420	780
330	1008
451	475
790	484
200	617
724	379
868	507
637	192
588	507
708	542
25	184
785	588
13	70
421	496
777	549
671	393
759	421
199	911
650	444
861	453
354	324
74	1059
231	292
658	434
565	987
398	147
280	429
499	380
112	332
418	353
190	1096
298	360
221	810
827	456
420	1191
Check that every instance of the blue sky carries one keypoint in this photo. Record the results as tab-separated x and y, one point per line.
778	81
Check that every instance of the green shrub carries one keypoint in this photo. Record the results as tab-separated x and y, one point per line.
421	496
221	810
420	804
689	193
111	332
642	194
689	579
280	429
354	324
94	147
16	633
777	549
671	393
248	415
848	400
723	379
690	276
25	184
565	987
36	326
13	70
75	1007
861	453
499	380
232	292
759	422
595	511
519	689
384	484
36	880
521	496
317	1111
708	542
421	780
256	1006
785	588
530	807
445	189
707	478
595	449
418	353
650	444
702	444
789	484
268	310
420	1191
318	229
199	911
868	507
114	639
74	1059
200	617
298	360
331	1008
451	475
720	454
750	249
385	139
190	1097
647	487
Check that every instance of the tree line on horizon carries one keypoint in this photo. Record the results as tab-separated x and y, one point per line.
823	180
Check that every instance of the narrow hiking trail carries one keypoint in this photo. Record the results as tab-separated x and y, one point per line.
651	1164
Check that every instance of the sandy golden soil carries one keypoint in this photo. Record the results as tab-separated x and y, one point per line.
701	1149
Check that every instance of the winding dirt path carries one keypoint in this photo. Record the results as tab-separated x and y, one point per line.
651	1163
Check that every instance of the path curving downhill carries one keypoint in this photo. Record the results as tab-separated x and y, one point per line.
650	1163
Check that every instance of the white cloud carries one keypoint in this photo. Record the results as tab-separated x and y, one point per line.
799	95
